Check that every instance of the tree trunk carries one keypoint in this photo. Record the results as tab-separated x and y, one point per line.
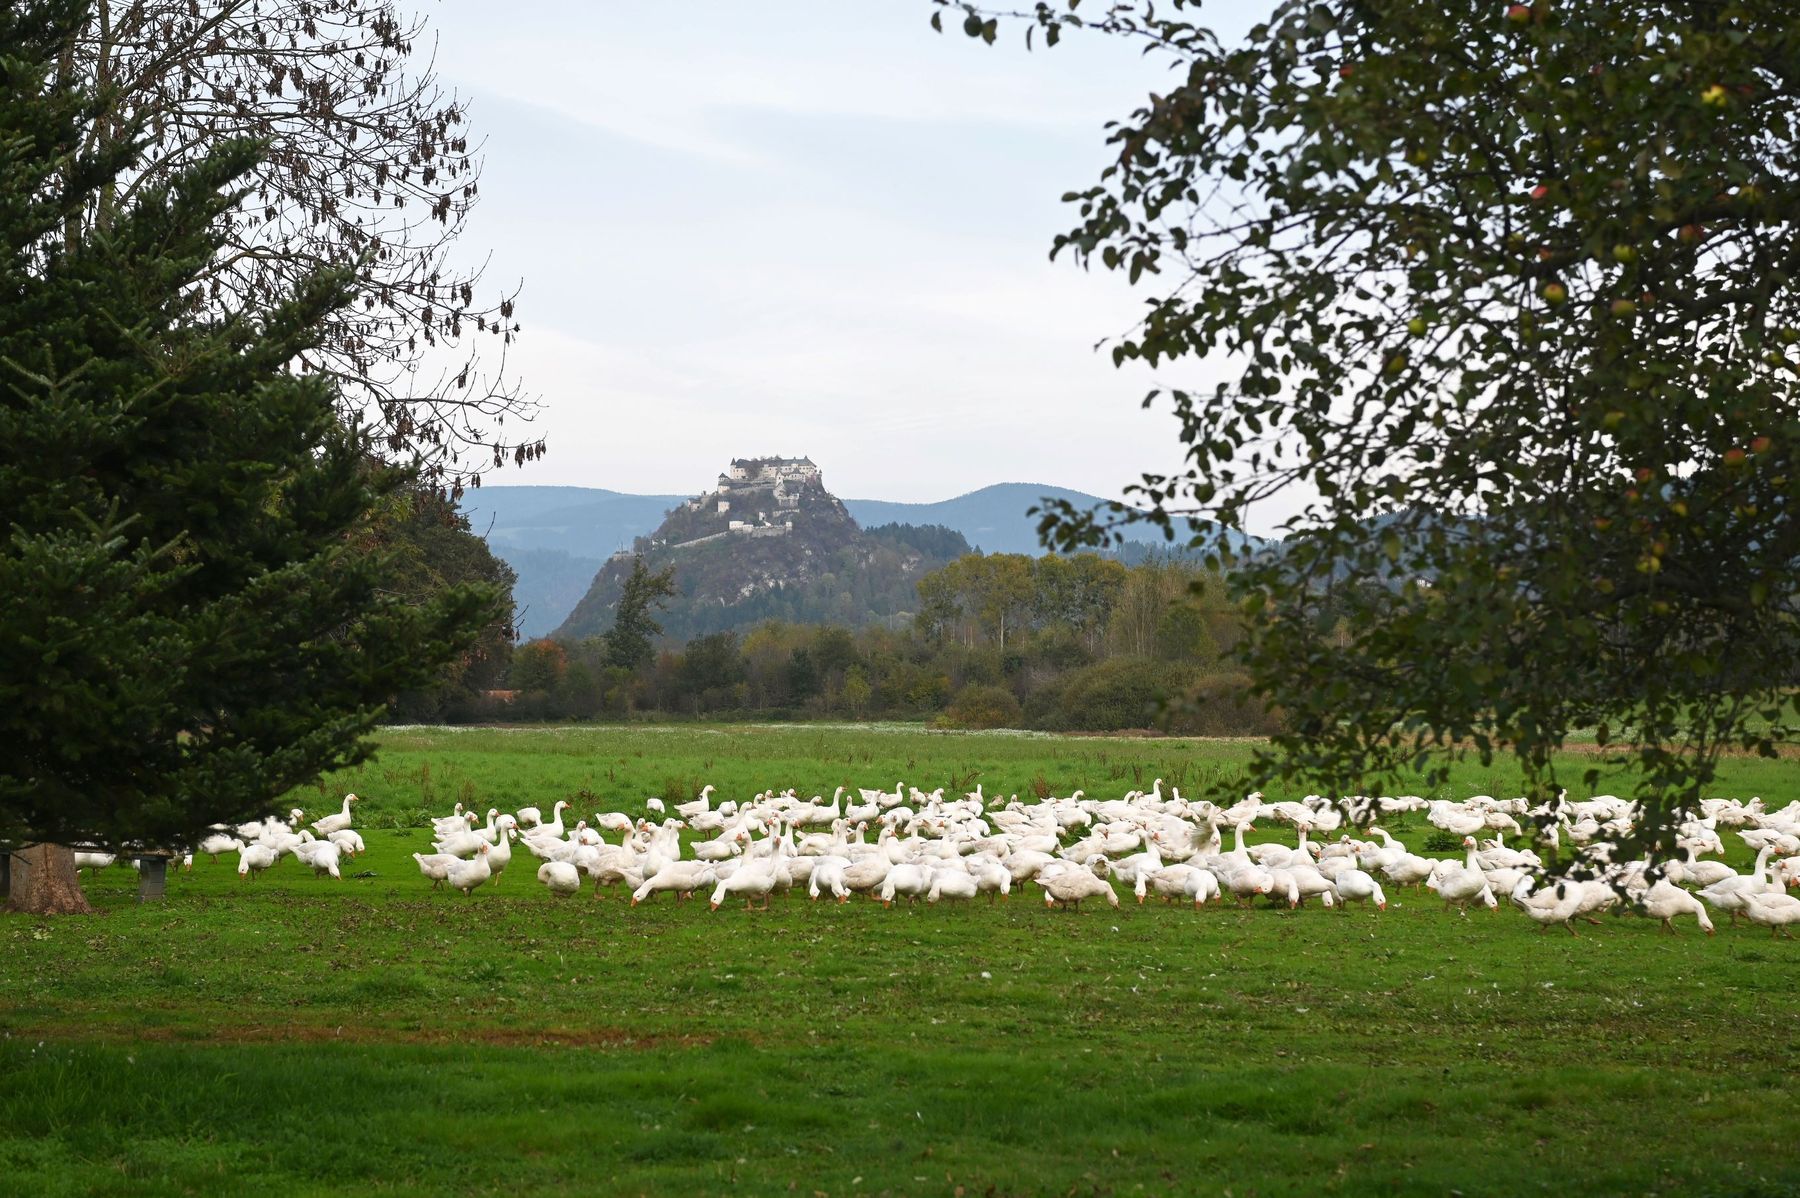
44	882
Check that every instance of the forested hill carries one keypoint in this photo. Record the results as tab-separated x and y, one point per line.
557	538
774	545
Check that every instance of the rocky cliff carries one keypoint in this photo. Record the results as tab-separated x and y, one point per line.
771	542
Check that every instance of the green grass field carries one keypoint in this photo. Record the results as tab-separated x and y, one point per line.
298	1035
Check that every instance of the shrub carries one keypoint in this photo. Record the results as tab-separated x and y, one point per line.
1220	705
1441	841
1124	693
981	706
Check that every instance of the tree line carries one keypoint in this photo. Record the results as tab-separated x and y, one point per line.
1076	643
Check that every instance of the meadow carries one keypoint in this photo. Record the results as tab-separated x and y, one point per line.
296	1035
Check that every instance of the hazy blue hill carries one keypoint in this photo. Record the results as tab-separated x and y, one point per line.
579	521
550	584
993	519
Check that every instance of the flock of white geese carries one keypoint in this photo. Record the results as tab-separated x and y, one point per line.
929	848
259	844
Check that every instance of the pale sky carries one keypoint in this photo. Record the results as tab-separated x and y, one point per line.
803	228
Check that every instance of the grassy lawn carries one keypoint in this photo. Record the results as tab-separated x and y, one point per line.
297	1035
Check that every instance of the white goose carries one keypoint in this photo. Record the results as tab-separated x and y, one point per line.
1237	873
1407	869
951	881
1461	885
335	823
219	842
682	877
698	806
501	855
867	875
443	825
1299	881
1179	881
560	877
1354	886
722	847
1727	894
1665	900
755	878
464	844
828	877
254	858
907	881
436	866
1127	869
1067	888
994	880
320	856
1773	910
1700	873
467	875
553	829
1557	905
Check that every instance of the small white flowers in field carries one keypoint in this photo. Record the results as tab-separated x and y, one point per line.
986	974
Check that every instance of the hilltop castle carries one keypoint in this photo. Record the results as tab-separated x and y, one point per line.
784	479
755	497
769	542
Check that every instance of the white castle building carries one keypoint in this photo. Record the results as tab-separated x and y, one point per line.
785	478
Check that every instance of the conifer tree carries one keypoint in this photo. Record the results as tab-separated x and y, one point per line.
191	619
628	640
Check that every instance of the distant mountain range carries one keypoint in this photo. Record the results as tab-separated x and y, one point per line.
558	538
